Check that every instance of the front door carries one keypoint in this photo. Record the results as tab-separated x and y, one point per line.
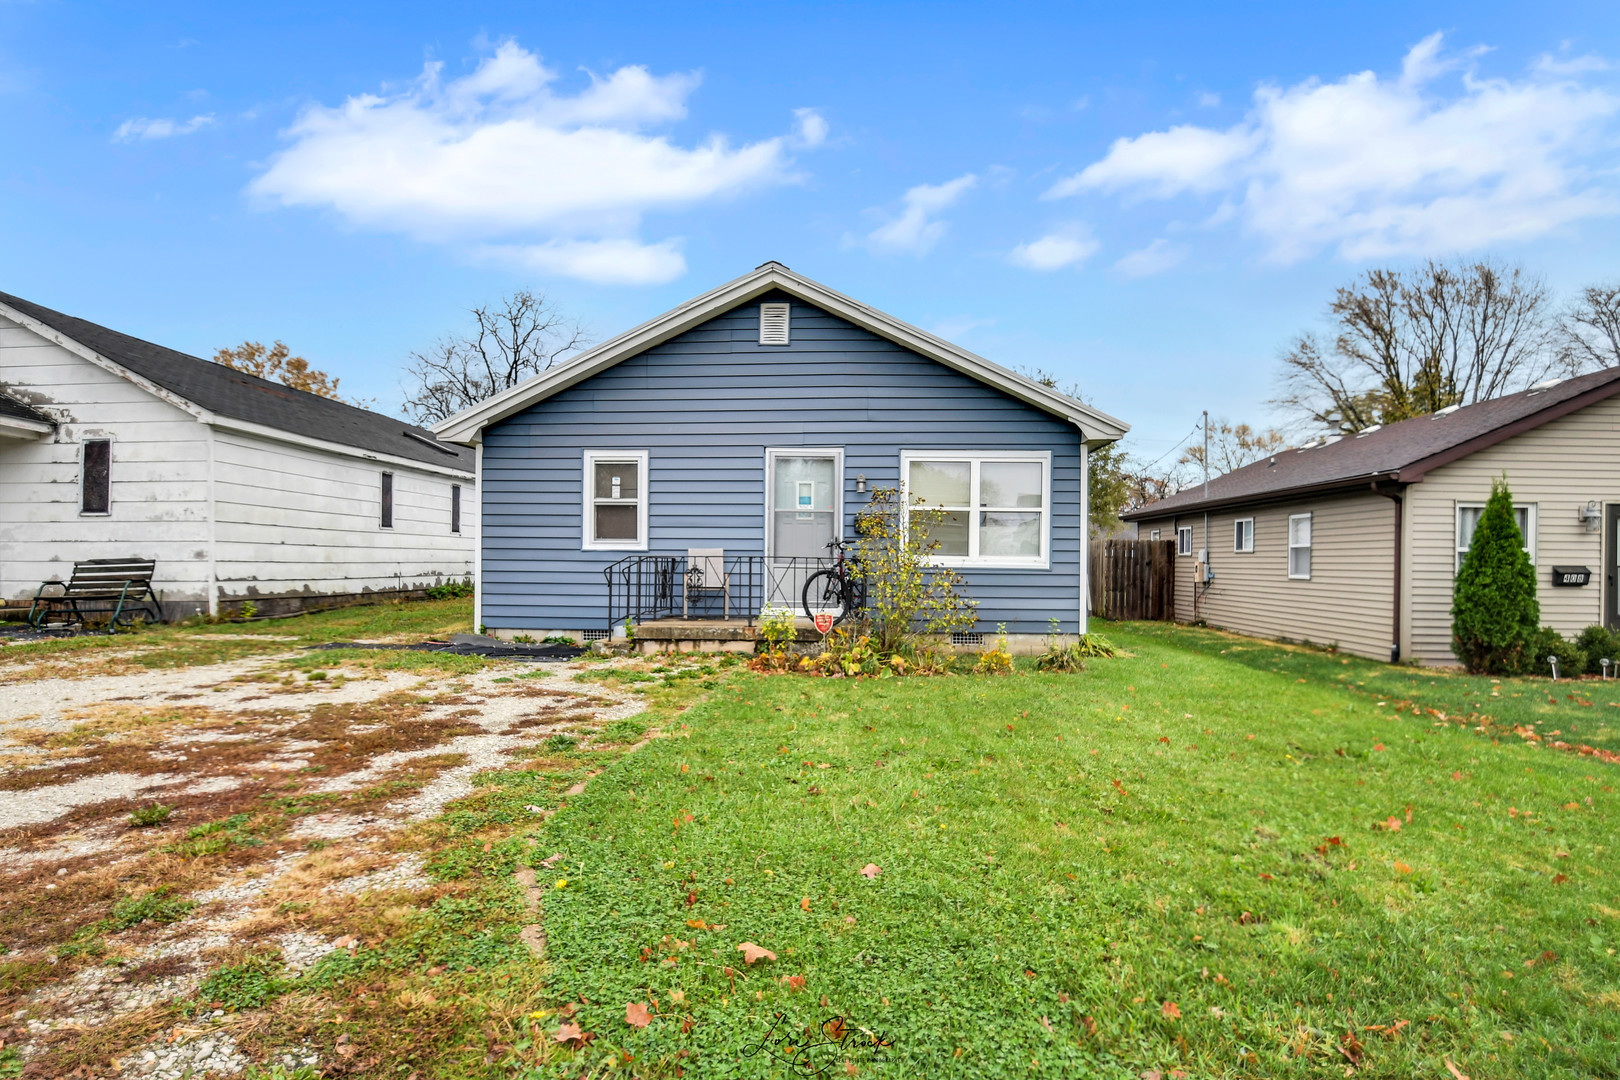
804	510
1611	566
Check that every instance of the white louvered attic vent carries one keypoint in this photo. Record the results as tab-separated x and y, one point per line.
773	323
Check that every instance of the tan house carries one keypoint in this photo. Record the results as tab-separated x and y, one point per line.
1355	541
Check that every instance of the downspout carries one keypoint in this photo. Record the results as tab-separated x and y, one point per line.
1400	515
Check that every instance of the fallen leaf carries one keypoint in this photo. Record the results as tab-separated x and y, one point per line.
569	1033
1402	868
1559	879
1170	1011
752	952
636	1015
1456	775
1378	746
804	905
1458	1073
794	982
1351	1047
1047	1024
551	860
1409	813
871	870
344	942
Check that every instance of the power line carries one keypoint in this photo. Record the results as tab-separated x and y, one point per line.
1173	449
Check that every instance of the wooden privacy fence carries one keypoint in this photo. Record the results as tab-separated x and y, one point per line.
1133	579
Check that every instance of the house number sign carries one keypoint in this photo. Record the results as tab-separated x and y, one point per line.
1571	576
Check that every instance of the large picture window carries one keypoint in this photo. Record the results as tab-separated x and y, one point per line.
615	500
997	505
1468	515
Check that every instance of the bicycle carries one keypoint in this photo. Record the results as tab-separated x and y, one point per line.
833	587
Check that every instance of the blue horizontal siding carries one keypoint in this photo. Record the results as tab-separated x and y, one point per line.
705	406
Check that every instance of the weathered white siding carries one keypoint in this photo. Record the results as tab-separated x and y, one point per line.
159	476
244	516
1559	467
293	521
1348	601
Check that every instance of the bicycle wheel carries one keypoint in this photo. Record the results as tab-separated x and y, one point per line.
825	590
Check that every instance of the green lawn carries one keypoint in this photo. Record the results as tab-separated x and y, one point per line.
1180	859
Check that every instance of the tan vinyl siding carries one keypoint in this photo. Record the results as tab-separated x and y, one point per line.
1559	467
1348	600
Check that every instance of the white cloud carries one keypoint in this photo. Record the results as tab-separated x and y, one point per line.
498	164
1069	246
1157	257
916	229
1378	167
1208	99
143	127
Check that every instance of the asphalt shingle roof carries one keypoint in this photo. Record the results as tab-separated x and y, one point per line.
12	407
1399	452
241	396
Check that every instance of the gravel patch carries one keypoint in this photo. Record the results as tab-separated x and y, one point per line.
406	874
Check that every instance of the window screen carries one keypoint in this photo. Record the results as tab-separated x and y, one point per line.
96	481
388	500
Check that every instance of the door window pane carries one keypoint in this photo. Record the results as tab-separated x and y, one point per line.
1004	534
940	483
1010	483
950	531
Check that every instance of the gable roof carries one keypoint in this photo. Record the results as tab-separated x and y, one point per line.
225	392
465	427
1401	453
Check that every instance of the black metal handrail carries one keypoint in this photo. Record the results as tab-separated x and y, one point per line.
642	588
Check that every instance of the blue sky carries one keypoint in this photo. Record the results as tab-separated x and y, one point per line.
1148	203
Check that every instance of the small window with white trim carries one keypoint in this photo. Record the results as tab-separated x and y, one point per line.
615	500
1468	515
775	321
1153	534
388	500
455	508
1243	534
1299	547
981	508
95	477
1184	540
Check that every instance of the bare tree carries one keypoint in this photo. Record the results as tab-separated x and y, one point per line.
510	342
1589	330
1407	343
1232	446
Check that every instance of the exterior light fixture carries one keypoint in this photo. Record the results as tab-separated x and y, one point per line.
860	482
1591	516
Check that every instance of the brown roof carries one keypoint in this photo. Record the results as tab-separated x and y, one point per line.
1397	454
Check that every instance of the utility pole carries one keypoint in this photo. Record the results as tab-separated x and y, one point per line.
1206	453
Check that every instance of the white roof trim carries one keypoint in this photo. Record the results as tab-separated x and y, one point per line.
466	427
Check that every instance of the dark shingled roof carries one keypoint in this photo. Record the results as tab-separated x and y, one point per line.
14	408
235	394
1398	454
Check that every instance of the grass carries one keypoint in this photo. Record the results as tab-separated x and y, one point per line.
198	643
1232	864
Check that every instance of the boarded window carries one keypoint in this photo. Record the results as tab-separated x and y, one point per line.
95	484
388	500
455	508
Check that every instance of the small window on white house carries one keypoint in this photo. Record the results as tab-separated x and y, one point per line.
455	508
1468	515
615	500
1184	540
988	508
1153	534
95	477
388	500
774	320
1243	534
1299	546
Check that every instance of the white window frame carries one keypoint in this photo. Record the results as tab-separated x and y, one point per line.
1153	534
1308	546
1243	543
587	516
87	438
1184	540
975	458
1530	533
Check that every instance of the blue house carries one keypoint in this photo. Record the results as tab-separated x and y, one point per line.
698	465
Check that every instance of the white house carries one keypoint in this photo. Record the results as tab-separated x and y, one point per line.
241	489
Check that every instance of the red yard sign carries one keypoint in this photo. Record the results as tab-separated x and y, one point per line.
824	621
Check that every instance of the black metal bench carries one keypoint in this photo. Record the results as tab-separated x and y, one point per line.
120	587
